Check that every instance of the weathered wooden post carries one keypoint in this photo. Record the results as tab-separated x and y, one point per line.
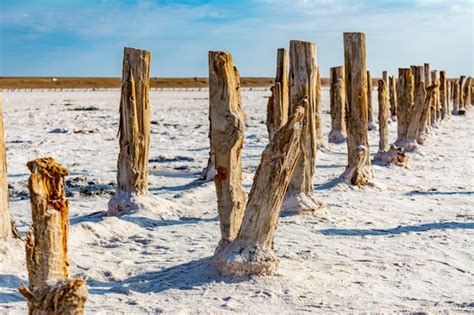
46	243
393	97
385	79
278	104
337	101
427	84
386	154
251	253
435	107
134	135
405	104
227	137
444	95
358	171
456	97
468	94
462	98
5	218
303	88
418	113
370	124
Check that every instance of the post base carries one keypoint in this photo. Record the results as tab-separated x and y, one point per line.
301	202
337	137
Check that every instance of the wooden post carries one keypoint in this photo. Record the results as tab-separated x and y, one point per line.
134	134
251	253
278	105
427	84
227	137
387	155
337	101
385	79
359	170
435	105
303	87
59	297
370	124
444	98
319	111
393	97
405	104
418	113
462	98
456	97
468	94
5	218
46	244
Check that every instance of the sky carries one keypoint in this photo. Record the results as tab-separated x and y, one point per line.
86	38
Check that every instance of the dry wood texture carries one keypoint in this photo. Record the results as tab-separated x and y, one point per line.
468	94
370	124
462	96
385	154
443	95
435	105
65	297
415	121
303	87
359	170
46	242
134	132
427	84
227	137
5	218
405	103
422	132
337	100
251	253
393	97
278	104
456	97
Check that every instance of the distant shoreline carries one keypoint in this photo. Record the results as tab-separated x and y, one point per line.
107	82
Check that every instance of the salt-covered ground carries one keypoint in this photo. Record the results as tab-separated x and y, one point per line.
403	244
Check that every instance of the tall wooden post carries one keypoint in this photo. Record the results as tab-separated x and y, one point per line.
418	114
387	155
393	97
303	88
337	101
134	134
227	137
5	218
251	253
370	124
427	84
468	94
456	106
435	107
444	95
359	170
462	97
385	79
278	105
405	104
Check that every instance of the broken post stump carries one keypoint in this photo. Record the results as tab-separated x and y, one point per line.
387	155
337	101
5	217
134	136
358	171
468	94
59	297
227	137
370	124
251	253
278	104
462	96
416	120
456	100
303	87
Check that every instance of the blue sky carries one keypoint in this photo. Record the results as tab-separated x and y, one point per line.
86	38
